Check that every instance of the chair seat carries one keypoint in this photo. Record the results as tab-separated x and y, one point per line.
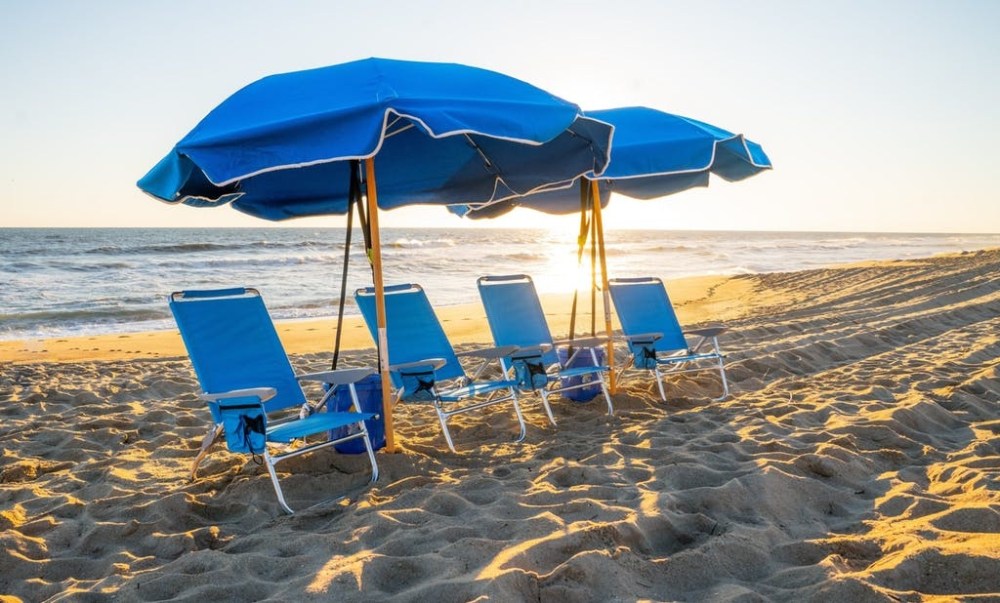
475	389
317	423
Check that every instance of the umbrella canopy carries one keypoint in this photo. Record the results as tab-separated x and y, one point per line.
440	133
655	154
290	145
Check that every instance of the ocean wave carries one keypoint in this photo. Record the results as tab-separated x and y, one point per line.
69	266
521	256
406	243
203	247
797	244
665	247
232	263
307	307
22	266
32	319
168	248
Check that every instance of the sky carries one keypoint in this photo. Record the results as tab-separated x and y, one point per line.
877	116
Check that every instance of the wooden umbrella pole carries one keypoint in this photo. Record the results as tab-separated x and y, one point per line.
599	228
383	340
593	271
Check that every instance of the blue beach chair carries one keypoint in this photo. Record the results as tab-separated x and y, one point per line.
516	319
423	364
654	336
246	378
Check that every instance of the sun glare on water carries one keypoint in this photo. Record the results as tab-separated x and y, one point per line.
563	272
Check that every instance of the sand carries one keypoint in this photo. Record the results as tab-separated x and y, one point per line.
858	459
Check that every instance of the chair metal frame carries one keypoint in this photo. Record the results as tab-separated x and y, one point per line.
539	342
451	383
673	358
283	432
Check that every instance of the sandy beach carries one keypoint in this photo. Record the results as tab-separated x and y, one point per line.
858	459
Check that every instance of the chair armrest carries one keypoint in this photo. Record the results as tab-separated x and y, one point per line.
534	350
432	364
487	354
491	353
643	337
261	393
707	332
338	377
583	342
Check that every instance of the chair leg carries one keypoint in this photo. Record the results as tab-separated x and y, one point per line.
545	404
443	418
212	435
520	417
722	375
270	462
371	452
274	481
659	382
604	383
356	406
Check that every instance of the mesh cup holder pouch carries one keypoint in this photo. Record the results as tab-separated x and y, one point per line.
529	371
418	387
643	354
245	425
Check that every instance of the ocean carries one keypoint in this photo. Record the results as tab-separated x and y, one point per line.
72	282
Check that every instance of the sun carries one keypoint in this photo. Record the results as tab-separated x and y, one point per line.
564	270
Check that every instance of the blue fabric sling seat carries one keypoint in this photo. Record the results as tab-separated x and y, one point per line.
247	381
423	364
655	337
516	318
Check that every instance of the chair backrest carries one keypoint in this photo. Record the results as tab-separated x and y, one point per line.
643	306
514	313
412	328
232	344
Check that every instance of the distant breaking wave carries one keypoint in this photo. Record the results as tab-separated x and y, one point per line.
182	248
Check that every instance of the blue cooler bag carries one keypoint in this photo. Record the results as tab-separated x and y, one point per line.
583	358
370	399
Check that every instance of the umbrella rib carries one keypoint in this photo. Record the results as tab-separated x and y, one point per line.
399	131
486	160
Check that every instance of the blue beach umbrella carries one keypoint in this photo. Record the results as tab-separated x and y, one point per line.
655	154
292	144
